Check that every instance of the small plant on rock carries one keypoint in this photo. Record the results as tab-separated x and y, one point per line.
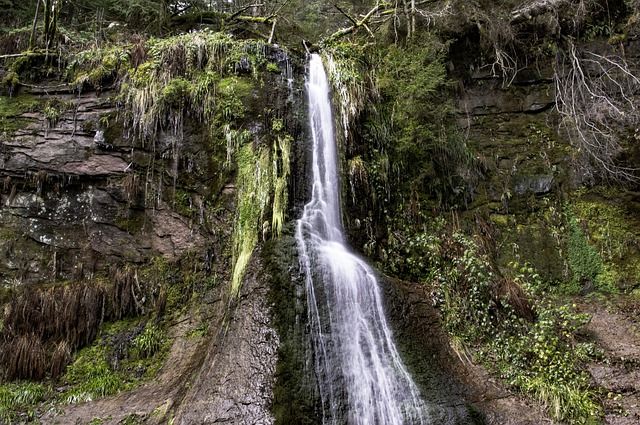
149	341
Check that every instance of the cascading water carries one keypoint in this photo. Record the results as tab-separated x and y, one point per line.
361	378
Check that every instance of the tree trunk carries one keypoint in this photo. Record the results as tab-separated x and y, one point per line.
35	24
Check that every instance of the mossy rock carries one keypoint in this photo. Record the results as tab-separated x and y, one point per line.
11	109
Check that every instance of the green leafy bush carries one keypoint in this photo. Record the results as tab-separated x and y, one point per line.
505	321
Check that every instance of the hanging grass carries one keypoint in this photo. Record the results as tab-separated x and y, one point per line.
281	171
347	74
182	75
42	326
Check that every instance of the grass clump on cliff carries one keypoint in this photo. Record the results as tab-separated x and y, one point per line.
98	67
182	75
125	354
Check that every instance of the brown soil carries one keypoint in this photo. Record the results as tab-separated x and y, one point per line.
615	329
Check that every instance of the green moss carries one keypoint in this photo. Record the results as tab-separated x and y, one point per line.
584	260
273	67
142	75
281	170
134	419
176	93
499	219
254	184
11	108
97	67
11	81
133	223
122	358
608	225
32	64
91	377
234	93
199	332
235	86
262	181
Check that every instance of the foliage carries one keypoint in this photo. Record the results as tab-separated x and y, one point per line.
393	94
19	400
427	147
527	339
149	342
584	260
543	362
609	231
119	360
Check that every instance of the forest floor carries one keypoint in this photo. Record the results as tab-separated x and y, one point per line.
615	329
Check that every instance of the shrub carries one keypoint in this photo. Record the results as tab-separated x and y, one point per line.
149	342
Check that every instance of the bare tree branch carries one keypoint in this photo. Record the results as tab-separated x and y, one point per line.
596	96
537	8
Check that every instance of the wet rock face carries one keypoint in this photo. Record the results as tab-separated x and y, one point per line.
78	193
235	382
424	348
538	184
514	130
528	162
75	191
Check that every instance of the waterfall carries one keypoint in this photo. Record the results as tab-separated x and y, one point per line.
361	378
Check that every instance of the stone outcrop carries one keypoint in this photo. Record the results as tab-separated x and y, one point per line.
235	383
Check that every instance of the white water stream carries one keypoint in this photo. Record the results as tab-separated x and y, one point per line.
361	378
